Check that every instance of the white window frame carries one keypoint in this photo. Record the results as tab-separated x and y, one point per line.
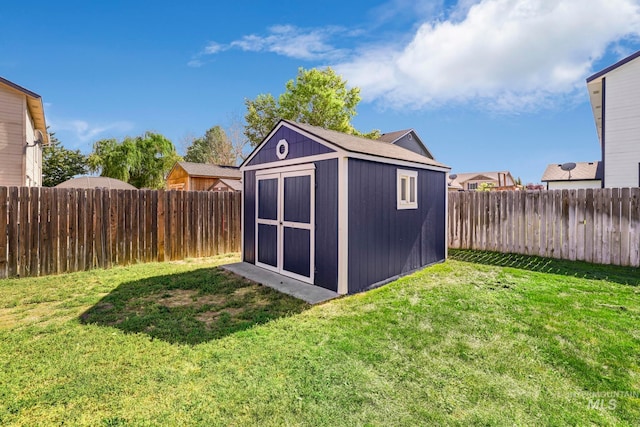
404	178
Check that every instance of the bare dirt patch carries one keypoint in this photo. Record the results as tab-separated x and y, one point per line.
208	317
103	306
184	298
241	292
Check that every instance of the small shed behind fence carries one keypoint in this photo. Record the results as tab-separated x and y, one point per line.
190	176
339	211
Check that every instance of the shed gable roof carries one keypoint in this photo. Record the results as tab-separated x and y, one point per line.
234	184
583	171
209	170
34	104
357	144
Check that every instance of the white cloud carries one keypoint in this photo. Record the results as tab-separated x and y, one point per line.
213	47
290	41
84	131
499	54
195	63
285	40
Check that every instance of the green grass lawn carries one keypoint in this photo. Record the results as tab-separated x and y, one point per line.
481	339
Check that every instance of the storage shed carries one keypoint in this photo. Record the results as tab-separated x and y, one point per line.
190	176
340	211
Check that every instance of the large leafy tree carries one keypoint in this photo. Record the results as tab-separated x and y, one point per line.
143	161
317	97
60	164
214	147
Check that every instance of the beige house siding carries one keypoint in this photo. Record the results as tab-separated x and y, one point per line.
33	157
574	185
474	184
12	137
622	126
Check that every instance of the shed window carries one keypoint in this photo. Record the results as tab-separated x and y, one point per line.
407	189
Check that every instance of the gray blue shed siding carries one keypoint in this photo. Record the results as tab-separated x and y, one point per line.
326	215
249	226
299	146
385	242
381	242
326	244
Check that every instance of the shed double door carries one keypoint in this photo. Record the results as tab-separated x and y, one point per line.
285	223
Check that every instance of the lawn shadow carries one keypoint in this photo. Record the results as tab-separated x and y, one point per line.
192	307
585	270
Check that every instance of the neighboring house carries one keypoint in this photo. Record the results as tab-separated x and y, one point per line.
96	182
189	176
615	101
23	131
584	175
224	184
339	211
408	139
470	181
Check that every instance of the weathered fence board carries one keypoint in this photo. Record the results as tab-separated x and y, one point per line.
594	225
50	230
4	207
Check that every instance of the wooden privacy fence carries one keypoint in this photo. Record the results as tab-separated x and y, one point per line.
51	230
596	225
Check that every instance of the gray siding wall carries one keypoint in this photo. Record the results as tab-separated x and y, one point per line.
299	146
385	242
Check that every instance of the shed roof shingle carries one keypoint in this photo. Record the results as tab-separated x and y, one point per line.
357	144
205	169
234	184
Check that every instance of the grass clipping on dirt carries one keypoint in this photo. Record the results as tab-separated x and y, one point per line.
480	339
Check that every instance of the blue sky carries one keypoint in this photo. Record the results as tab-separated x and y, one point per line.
488	85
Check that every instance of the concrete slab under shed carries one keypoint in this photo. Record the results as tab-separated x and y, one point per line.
304	291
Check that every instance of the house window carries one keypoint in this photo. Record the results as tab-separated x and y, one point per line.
472	186
407	195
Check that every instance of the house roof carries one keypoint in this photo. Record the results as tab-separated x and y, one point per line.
613	67
35	105
594	85
357	144
583	171
209	170
234	184
393	137
96	182
461	178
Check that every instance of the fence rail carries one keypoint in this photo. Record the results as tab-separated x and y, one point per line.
595	225
51	230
